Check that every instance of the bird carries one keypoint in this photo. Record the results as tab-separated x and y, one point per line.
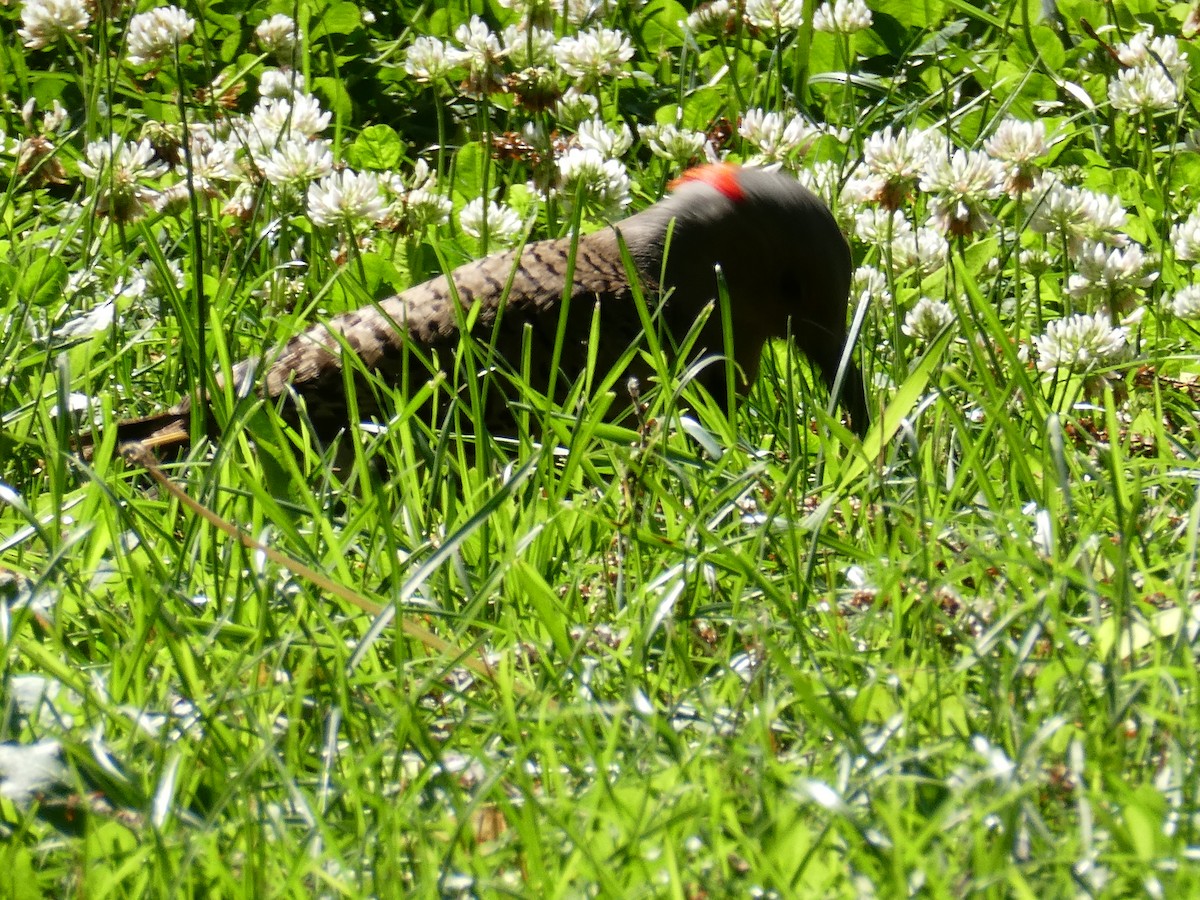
776	248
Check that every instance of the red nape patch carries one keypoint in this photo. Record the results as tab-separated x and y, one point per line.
722	176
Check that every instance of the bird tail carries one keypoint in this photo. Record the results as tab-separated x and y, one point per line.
158	432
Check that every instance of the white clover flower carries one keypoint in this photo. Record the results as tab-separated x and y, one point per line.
924	250
1155	76
429	59
281	84
481	48
902	154
242	203
156	33
1080	344
775	16
529	47
346	198
1144	89
776	137
840	134
715	18
117	167
824	180
213	161
961	186
46	22
1018	145
201	135
158	282
862	188
535	89
1114	275
671	143
1186	302
278	36
1185	238
37	160
502	224
878	225
1015	141
273	119
1103	214
1035	260
574	106
1076	213
870	281
895	162
296	162
593	54
534	135
1144	49
842	17
1056	207
601	182
423	208
926	319
422	178
418	203
55	118
594	134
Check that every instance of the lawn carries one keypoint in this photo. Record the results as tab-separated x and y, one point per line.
693	652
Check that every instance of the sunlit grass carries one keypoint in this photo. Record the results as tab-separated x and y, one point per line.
725	655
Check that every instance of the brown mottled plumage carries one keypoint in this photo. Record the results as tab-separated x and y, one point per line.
783	259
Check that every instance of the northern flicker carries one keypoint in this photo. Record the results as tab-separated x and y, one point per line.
784	262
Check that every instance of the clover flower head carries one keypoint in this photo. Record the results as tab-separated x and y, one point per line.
278	36
675	144
429	59
346	198
842	17
715	19
154	34
775	16
593	54
962	186
1080	344
1144	90
595	134
118	167
1185	238
46	22
601	182
775	136
1115	275
926	319
1186	302
894	162
500	222
296	162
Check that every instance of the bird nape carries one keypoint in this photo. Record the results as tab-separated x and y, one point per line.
784	264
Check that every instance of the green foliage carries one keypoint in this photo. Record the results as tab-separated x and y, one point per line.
727	653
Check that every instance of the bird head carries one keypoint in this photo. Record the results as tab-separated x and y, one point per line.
783	258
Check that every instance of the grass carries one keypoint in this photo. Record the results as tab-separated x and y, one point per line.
725	655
